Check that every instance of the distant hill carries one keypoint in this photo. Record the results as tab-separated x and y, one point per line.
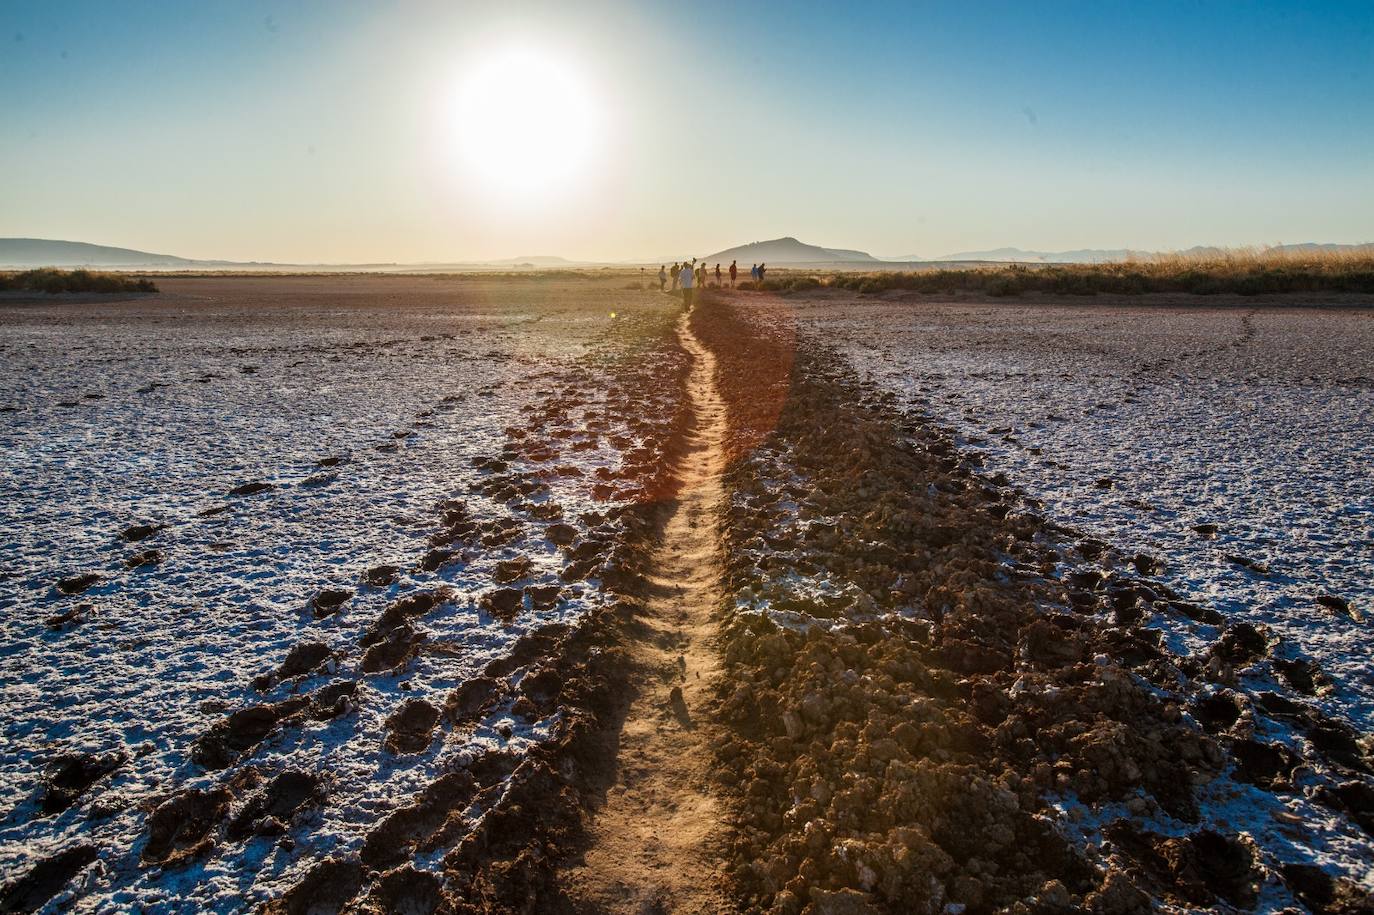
789	251
534	260
39	252
1020	256
1107	255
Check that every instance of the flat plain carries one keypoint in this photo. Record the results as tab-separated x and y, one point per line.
340	592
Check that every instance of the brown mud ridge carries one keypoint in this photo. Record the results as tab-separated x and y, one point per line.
896	759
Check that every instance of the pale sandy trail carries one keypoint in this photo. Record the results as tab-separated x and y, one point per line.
655	844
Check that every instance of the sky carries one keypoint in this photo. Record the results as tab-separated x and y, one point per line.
343	132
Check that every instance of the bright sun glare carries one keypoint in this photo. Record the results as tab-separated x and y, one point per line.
527	122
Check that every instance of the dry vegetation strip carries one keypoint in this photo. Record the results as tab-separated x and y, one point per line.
1240	273
53	282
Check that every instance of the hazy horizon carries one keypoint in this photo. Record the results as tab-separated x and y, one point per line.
313	133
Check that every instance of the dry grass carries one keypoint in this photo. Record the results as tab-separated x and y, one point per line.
1250	271
55	281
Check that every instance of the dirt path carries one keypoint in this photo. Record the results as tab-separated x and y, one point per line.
653	842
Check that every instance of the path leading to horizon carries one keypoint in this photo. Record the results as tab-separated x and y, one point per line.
654	842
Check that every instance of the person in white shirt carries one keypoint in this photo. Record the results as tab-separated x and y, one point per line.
688	279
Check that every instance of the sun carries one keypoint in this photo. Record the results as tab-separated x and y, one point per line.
527	122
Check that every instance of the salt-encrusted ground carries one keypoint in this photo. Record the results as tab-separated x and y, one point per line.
440	427
316	594
1137	424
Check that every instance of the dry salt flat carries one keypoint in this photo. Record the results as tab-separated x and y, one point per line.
219	456
1138	424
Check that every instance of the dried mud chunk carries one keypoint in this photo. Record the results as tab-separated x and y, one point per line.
1218	712
70	616
1241	643
1356	798
968	657
1339	742
1321	892
404	889
471	699
333	700
77	583
542	686
436	559
1303	675
45	879
1333	603
1044	642
397	616
278	801
231	737
509	570
1197	868
544	597
560	534
72	775
398	648
1268	765
380	576
411	727
504	603
324	890
143	559
842	902
135	532
1119	896
249	489
179	829
328	601
396	836
303	658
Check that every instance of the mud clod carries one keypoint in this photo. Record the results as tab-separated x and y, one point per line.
410	728
45	879
181	828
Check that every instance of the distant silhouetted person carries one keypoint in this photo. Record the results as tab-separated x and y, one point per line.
754	273
701	275
675	273
662	278
763	268
717	274
688	277
734	271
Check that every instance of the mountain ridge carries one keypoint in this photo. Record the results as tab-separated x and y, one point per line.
24	253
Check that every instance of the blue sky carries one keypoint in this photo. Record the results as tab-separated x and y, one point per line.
326	131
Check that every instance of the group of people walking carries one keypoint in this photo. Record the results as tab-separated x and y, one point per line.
692	276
